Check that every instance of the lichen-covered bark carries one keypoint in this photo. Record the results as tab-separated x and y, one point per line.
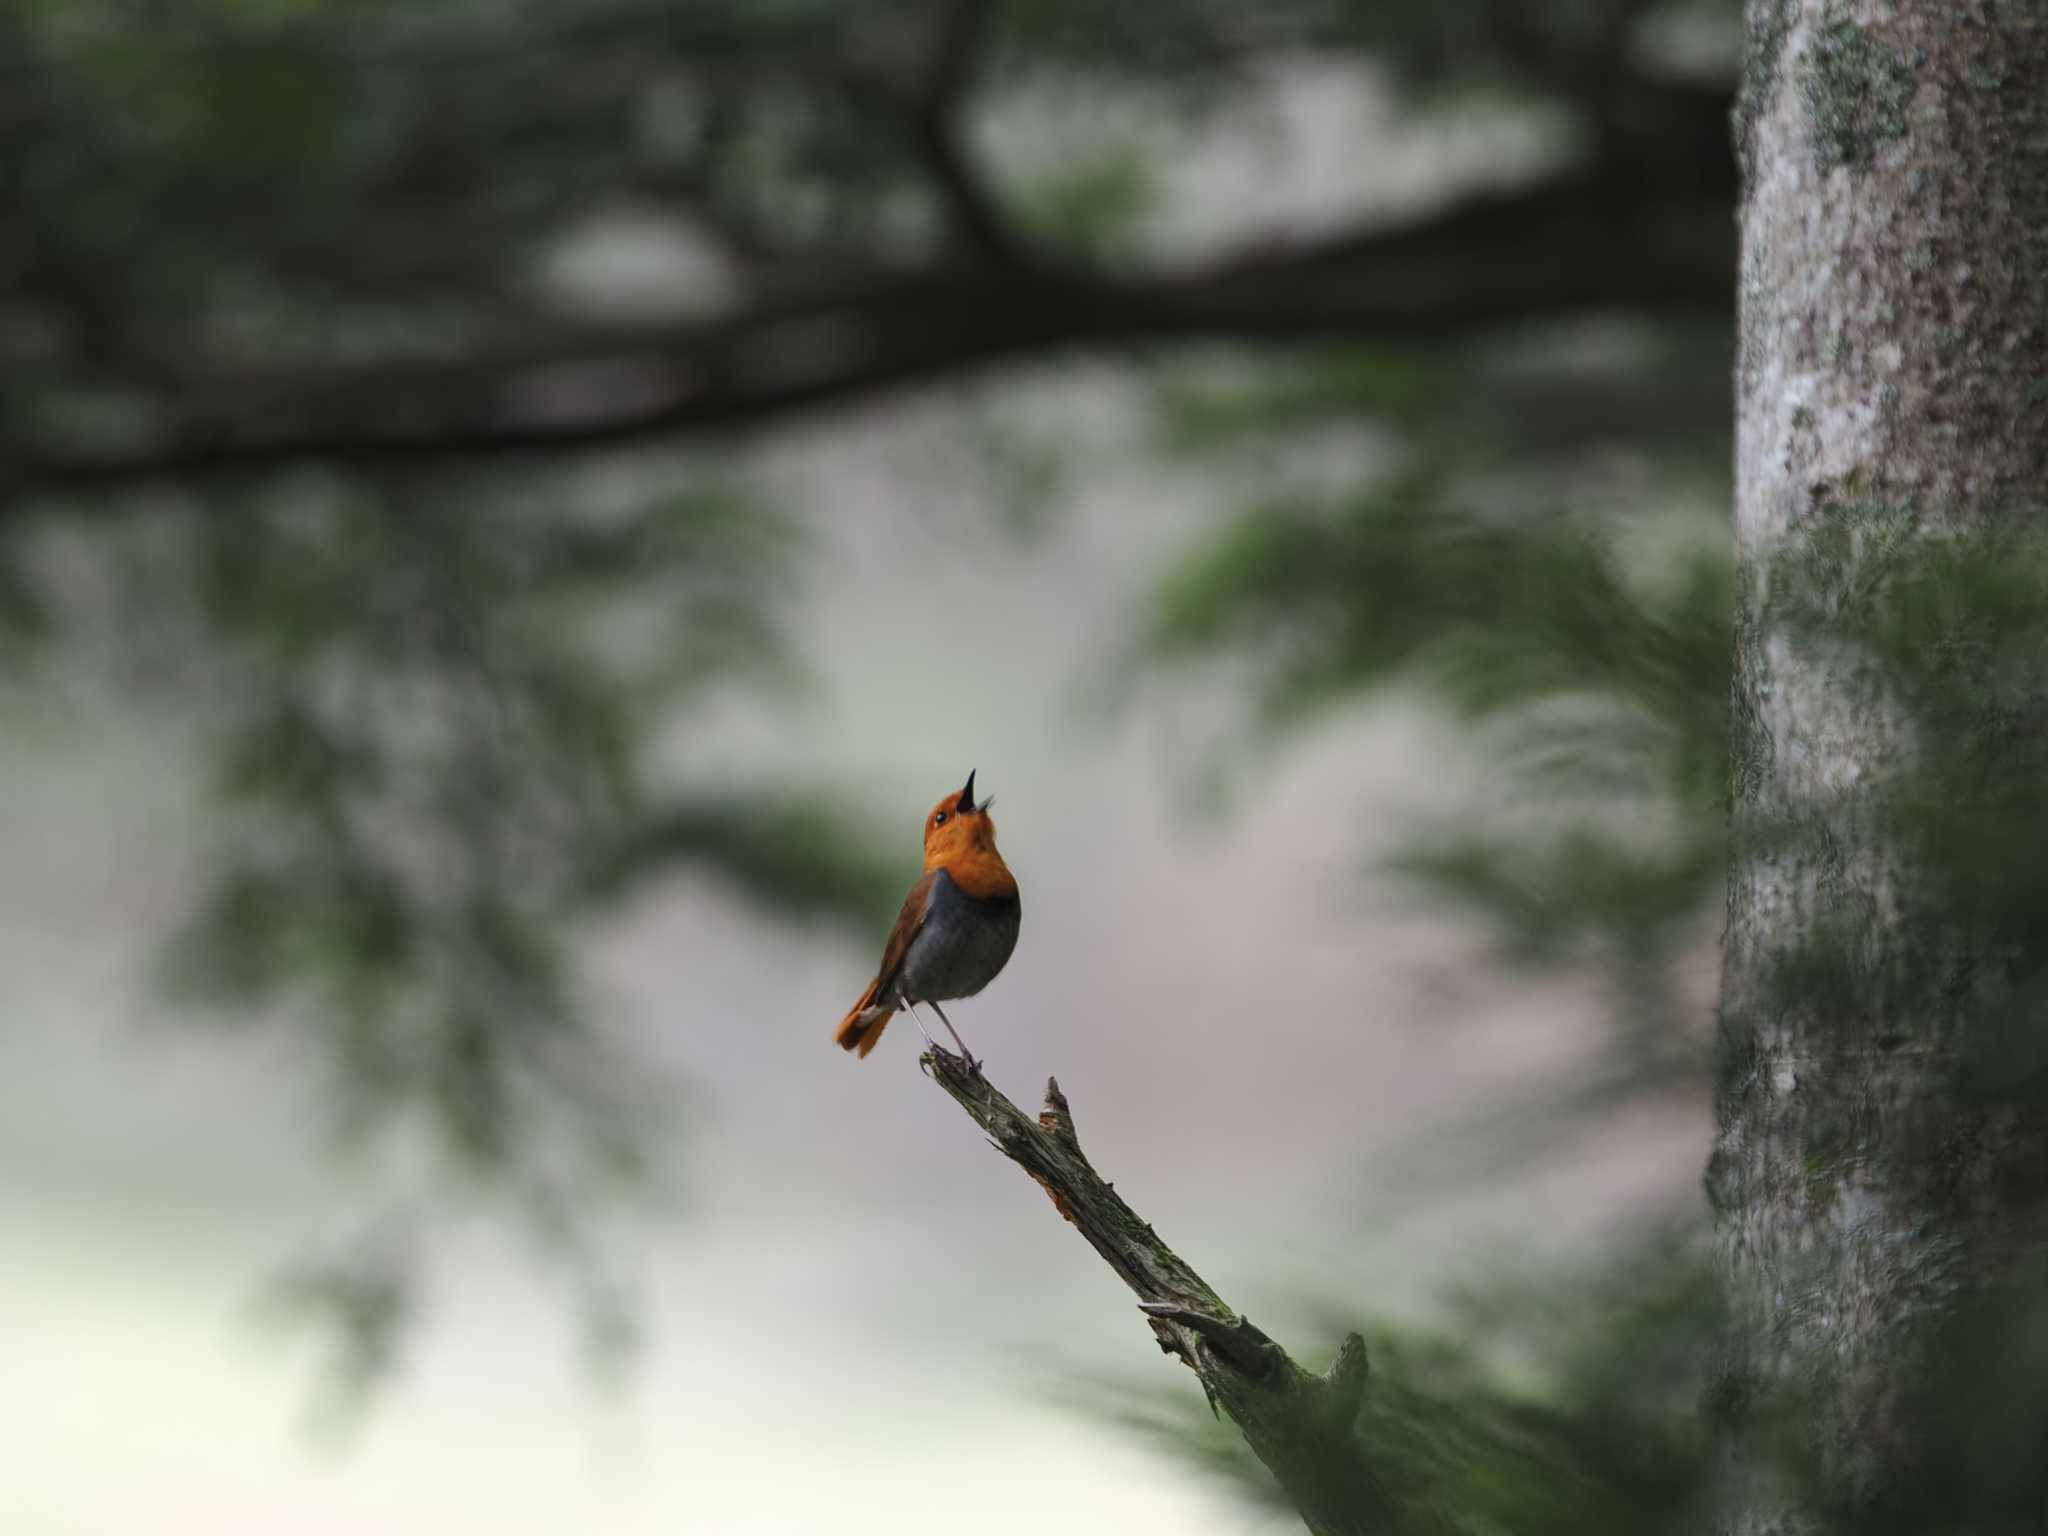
1300	1424
1893	374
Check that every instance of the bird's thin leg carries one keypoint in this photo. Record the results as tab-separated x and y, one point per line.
965	1053
911	1009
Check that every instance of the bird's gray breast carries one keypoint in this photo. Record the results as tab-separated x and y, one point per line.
964	941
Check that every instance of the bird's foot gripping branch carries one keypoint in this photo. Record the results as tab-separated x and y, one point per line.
1300	1424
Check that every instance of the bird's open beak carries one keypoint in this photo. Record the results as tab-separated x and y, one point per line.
966	803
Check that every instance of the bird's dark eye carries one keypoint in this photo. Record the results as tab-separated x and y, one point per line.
938	818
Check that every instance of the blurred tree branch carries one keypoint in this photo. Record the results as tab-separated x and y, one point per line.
937	117
1580	246
1300	1424
351	172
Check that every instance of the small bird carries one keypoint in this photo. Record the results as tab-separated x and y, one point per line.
955	932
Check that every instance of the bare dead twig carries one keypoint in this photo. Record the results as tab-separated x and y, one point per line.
1300	1424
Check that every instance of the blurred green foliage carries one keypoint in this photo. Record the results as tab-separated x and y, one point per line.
1587	660
1593	1401
433	695
1094	205
439	721
1546	1404
432	720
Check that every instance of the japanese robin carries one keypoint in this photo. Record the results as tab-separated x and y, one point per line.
955	932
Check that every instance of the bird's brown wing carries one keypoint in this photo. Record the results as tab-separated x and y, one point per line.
864	1022
908	923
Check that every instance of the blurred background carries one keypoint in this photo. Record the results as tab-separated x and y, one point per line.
511	512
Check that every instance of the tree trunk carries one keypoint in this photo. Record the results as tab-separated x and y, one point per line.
1892	383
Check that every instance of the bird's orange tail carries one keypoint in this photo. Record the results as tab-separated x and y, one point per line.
863	1024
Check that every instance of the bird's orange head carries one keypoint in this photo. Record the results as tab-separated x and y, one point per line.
960	838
